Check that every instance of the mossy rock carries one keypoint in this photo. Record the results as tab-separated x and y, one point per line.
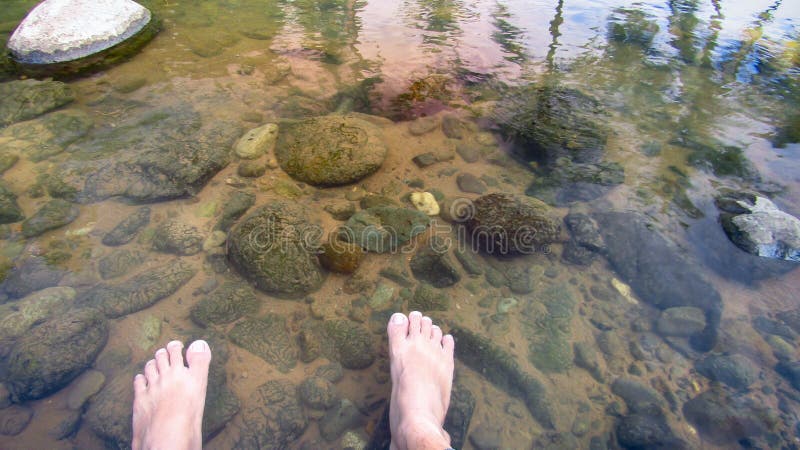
119	263
268	338
126	230
177	238
54	214
383	229
428	298
235	206
140	291
26	99
330	150
508	224
231	301
273	417
10	211
275	248
49	135
55	353
342	257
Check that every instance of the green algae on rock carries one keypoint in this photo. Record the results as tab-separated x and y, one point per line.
54	353
383	229
10	211
54	214
229	302
26	99
508	224
48	135
427	298
268	338
501	369
177	238
140	291
273	417
330	150
126	230
275	248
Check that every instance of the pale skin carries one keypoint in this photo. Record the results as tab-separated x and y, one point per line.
169	397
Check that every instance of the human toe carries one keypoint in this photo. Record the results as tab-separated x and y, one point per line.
198	355
448	344
174	349
397	328
162	360
151	372
436	334
414	323
426	327
139	385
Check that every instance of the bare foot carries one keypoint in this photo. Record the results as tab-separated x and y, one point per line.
422	377
169	398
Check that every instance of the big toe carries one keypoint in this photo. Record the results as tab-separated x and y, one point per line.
198	356
397	329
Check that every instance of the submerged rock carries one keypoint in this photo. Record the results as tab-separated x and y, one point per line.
109	413
235	206
267	338
26	99
140	291
385	228
177	238
54	214
425	202
231	301
349	344
427	298
723	419
507	224
330	150
54	353
30	275
547	123
502	370
119	263
318	393
658	271
338	419
57	31
681	321
126	230
566	182
736	371
48	135
10	211
257	142
273	417
14	419
151	155
275	248
342	257
18	317
757	226
431	264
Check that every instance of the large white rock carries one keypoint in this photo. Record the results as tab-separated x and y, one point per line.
65	30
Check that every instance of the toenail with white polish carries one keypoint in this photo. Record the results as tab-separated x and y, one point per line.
415	313
198	346
175	343
398	318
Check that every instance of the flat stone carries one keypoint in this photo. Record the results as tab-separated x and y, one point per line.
26	99
423	125
126	230
383	229
757	226
54	214
681	321
469	183
65	30
18	317
257	142
736	371
14	419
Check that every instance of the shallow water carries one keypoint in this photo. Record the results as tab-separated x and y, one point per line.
719	72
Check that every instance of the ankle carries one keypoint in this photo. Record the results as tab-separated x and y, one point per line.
422	433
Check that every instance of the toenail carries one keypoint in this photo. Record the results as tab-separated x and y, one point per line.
415	313
398	318
198	346
174	343
160	351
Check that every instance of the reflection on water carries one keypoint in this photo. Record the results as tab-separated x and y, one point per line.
640	325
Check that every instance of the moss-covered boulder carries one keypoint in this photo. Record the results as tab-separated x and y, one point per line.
501	369
25	99
172	236
126	230
18	317
10	211
151	155
339	256
383	229
140	291
427	298
508	224
549	122
273	417
48	135
54	353
343	341
53	214
433	265
275	247
330	150
267	338
235	206
231	301
119	263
